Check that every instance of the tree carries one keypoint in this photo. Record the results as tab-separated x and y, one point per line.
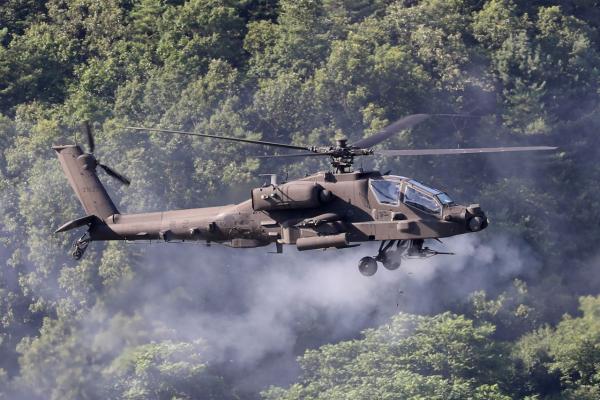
565	361
441	357
164	370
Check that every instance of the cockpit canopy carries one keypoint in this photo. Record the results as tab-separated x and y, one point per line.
386	192
411	193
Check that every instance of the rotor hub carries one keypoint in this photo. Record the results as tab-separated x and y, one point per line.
88	161
342	157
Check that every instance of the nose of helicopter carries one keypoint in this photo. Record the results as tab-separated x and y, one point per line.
476	224
471	217
475	218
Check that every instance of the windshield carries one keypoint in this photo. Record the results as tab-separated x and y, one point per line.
424	187
421	200
441	196
386	192
445	199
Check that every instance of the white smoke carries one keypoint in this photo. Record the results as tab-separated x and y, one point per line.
250	306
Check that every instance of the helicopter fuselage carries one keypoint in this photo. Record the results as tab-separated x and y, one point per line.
319	211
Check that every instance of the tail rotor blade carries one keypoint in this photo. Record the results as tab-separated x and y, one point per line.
111	172
87	128
90	137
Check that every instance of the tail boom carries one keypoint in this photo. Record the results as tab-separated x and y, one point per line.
79	167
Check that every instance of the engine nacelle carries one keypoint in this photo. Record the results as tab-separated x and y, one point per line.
289	196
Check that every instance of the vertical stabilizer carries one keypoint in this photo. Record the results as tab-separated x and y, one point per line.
80	169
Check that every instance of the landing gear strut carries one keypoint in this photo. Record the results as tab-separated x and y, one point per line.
391	259
80	246
368	265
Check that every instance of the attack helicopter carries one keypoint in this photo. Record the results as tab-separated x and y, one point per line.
340	208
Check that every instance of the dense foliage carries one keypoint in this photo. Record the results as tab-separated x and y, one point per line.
451	357
298	71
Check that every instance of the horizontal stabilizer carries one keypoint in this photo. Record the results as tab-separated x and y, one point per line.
76	223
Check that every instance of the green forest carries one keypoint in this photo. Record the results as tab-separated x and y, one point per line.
514	315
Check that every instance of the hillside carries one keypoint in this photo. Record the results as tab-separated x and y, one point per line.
165	322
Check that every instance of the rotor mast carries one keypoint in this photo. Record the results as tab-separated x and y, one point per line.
342	159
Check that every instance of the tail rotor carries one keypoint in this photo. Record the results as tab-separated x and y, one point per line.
90	162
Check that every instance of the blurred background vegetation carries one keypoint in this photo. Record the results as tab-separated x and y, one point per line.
301	71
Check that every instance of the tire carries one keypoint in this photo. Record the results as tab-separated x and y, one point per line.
77	254
391	265
367	266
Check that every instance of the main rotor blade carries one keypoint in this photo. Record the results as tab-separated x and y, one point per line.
295	155
439	152
390	130
262	142
90	137
115	174
401	124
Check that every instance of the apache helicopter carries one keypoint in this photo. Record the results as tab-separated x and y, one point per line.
339	208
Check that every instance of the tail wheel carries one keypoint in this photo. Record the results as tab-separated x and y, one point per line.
80	246
367	266
77	254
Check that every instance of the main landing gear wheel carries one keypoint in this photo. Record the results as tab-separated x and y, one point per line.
390	264
367	266
390	259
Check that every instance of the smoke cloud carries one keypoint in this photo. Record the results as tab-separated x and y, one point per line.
258	311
